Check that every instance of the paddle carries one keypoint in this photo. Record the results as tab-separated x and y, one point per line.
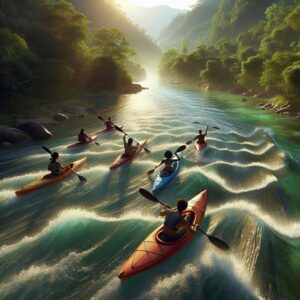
180	149
121	130
196	122
214	240
81	178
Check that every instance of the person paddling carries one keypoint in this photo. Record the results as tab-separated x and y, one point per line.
201	137
128	147
55	166
82	137
168	161
109	124
175	225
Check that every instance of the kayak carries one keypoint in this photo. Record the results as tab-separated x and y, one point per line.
162	180
154	251
105	130
93	139
120	160
49	179
201	146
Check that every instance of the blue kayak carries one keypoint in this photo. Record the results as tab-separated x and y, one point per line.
162	180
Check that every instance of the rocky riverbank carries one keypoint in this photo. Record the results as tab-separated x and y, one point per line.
33	126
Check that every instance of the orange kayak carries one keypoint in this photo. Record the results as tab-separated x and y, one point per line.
120	160
153	251
48	179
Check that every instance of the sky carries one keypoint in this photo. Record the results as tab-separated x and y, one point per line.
182	4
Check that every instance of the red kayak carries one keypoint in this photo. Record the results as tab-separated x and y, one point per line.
107	130
153	251
200	146
93	139
120	160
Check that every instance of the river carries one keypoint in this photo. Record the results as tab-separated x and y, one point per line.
68	241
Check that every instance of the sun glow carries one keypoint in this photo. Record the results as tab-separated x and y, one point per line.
150	3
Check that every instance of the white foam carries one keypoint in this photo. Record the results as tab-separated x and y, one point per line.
257	183
291	230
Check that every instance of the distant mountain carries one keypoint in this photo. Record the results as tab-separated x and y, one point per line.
152	19
105	13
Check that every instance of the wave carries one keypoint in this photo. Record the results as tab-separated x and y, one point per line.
257	183
6	195
36	271
274	166
261	151
76	214
235	142
290	230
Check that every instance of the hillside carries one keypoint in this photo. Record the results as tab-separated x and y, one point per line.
103	13
152	19
211	20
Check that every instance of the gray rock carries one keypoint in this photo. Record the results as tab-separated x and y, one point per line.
60	117
35	129
12	135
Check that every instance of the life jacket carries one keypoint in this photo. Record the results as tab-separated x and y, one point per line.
129	149
172	218
108	124
54	167
83	137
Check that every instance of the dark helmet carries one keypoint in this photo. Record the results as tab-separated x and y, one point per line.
109	118
168	154
54	155
200	131
130	140
181	205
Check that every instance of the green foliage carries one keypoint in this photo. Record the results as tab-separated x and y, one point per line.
251	71
272	77
256	47
110	42
293	19
166	62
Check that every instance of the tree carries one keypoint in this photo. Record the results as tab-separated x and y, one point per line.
110	42
293	19
251	71
291	77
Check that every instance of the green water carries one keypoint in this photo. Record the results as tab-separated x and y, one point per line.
69	240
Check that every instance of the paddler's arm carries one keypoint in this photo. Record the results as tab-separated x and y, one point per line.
195	138
187	225
165	210
162	162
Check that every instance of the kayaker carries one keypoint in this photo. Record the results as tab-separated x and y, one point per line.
82	137
201	137
109	124
175	225
168	161
55	166
128	147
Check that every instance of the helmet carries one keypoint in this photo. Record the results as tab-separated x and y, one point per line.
168	154
181	205
130	140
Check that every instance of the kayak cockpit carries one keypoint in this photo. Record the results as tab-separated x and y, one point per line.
160	237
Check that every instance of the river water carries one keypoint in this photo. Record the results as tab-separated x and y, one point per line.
68	241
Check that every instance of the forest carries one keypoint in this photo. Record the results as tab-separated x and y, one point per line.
252	47
48	50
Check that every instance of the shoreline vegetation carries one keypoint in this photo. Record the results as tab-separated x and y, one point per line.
251	48
49	54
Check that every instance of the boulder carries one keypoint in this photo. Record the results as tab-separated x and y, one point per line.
12	135
60	117
35	129
4	145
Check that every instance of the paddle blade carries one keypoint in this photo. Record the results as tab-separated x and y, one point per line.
189	142
47	149
100	118
81	178
146	150
218	243
118	128
216	128
150	172
98	144
148	195
181	148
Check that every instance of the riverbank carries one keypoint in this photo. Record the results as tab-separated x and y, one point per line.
16	124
